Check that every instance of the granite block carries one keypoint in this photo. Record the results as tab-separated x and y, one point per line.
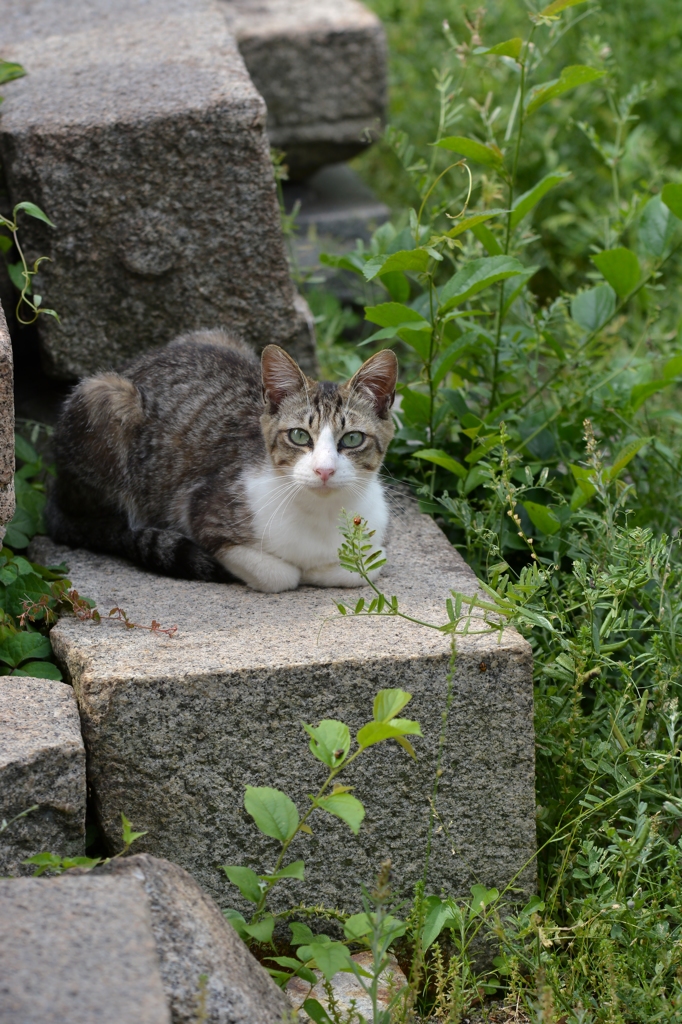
79	949
140	134
175	728
42	762
320	65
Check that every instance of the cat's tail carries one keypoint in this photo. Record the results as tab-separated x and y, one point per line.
165	552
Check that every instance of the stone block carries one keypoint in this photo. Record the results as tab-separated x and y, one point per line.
139	132
193	939
176	727
42	761
320	65
79	949
6	427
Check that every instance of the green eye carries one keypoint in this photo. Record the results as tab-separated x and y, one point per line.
299	436
353	439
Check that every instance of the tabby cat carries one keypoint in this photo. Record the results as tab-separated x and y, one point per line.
196	462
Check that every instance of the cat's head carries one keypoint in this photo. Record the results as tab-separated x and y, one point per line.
327	436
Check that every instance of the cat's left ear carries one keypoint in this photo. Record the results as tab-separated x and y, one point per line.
377	379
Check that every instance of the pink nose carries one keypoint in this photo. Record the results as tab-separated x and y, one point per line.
324	473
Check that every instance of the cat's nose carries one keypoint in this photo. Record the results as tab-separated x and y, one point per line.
324	473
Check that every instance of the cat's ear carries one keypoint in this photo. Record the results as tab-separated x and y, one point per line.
377	379
282	375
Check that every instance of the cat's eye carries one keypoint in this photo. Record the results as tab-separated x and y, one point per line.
299	436
353	439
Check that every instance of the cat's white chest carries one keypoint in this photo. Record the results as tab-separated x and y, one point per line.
302	526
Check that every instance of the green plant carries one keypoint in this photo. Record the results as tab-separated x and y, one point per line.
538	421
56	865
276	815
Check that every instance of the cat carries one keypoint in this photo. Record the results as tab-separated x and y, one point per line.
195	462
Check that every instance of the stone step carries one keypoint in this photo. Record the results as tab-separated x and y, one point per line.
320	65
133	940
139	132
42	762
175	728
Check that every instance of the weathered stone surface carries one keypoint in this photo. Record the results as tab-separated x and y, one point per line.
176	727
6	427
74	950
139	132
193	938
42	761
348	992
320	65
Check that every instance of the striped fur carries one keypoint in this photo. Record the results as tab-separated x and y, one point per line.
184	463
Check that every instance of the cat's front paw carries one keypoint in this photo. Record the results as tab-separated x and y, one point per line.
332	575
260	570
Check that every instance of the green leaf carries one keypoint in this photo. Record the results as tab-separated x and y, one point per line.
490	156
18	647
542	517
330	741
409	259
641	392
397	284
236	920
673	368
33	211
468	223
441	458
128	835
557	6
395	314
316	1011
437	914
389	703
300	934
28	588
246	880
23	450
487	239
475	276
294	870
626	455
526	202
620	267
656	227
344	806
330	957
509	48
262	930
10	71
16	276
44	862
39	670
376	732
358	926
274	812
570	78
351	261
592	308
672	197
482	898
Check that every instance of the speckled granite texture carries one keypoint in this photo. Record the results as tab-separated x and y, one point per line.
193	938
6	427
79	949
138	131
175	728
320	66
42	761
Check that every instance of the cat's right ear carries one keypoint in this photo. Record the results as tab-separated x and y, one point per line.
282	376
